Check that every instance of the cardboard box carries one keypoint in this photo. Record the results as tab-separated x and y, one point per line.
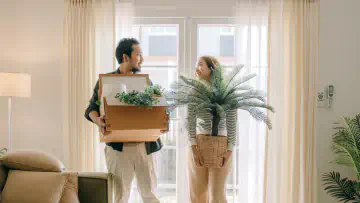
130	123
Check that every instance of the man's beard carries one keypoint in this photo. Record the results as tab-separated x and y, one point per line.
135	70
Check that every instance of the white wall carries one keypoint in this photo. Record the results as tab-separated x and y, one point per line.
176	8
30	42
340	66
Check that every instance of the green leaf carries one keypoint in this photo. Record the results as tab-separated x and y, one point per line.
342	189
258	115
346	145
237	83
233	74
146	98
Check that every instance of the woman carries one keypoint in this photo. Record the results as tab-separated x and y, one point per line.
208	185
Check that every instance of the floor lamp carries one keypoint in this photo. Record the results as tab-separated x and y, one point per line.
14	85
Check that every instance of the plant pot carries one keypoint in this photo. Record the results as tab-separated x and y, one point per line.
212	149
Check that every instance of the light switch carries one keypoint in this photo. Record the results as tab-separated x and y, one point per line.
321	100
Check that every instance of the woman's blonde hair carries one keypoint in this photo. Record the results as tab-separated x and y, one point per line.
210	61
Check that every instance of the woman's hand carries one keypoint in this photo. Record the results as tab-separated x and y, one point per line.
196	156
227	157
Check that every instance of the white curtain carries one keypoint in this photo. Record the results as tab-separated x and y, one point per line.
89	49
279	39
293	75
251	50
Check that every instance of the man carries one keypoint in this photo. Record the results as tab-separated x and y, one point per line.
126	160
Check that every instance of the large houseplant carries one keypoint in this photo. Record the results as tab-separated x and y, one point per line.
346	146
223	93
220	95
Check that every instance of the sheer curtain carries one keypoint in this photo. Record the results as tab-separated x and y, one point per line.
252	51
89	44
278	39
293	75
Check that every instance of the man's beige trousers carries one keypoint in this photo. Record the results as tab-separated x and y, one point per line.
124	166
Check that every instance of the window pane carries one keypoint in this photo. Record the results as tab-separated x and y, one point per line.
230	196
136	32
163	76
159	44
156	44
169	139
217	41
227	45
167	195
165	166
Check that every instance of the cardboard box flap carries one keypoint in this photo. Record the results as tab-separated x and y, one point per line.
110	84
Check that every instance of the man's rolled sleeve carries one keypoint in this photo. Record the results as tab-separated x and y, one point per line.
92	103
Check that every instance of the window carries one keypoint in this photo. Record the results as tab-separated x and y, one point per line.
218	41
238	45
226	45
158	36
153	38
165	58
159	40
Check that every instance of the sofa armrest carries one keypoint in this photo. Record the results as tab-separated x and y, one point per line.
3	176
95	188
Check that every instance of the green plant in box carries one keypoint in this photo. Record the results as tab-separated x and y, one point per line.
147	98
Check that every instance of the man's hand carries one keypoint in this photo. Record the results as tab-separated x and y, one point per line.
100	122
197	156
168	120
227	157
164	131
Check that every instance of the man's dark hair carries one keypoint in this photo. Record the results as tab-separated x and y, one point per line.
125	47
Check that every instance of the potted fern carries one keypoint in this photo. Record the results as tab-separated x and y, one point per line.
346	146
220	95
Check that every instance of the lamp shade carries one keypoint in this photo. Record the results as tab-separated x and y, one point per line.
15	85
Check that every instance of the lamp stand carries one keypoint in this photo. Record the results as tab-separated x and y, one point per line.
9	122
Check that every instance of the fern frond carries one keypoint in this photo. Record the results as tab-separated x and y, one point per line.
253	104
233	87
236	70
342	189
258	115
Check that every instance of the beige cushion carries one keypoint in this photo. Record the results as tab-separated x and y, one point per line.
32	161
44	187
